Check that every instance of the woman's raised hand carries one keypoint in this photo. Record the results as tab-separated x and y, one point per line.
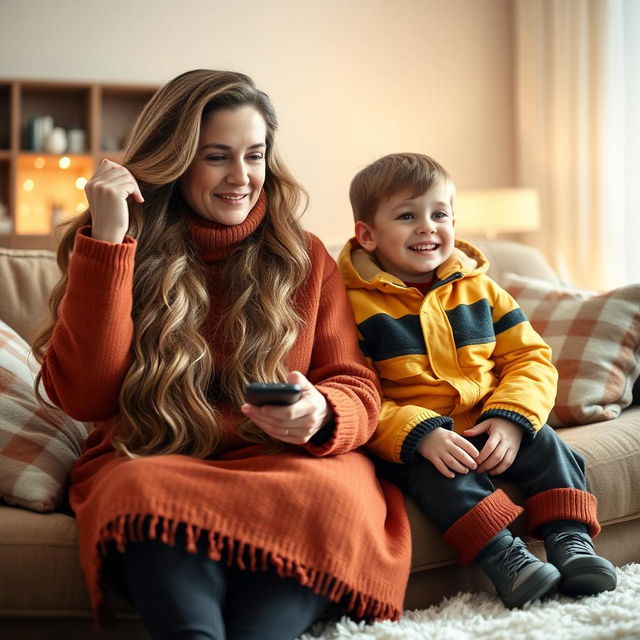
295	423
107	192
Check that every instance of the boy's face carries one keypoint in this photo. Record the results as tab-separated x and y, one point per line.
411	237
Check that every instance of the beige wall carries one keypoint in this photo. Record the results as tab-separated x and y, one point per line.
351	79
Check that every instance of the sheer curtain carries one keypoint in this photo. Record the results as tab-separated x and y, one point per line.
578	133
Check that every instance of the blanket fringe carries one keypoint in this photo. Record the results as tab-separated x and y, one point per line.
245	556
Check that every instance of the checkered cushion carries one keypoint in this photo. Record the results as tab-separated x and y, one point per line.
38	446
595	340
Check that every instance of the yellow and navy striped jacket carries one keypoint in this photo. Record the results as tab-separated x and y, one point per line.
460	354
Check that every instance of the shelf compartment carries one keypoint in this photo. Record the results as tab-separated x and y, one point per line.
37	198
49	189
67	105
120	108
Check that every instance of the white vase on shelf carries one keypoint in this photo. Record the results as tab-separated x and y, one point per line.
56	141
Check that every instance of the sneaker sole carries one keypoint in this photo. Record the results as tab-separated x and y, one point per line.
589	582
528	593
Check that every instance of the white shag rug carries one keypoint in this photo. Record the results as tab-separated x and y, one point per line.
611	615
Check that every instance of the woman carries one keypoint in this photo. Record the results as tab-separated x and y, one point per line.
189	277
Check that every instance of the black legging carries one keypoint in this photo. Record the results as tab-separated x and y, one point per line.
187	596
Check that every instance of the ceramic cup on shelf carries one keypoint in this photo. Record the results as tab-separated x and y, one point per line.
56	141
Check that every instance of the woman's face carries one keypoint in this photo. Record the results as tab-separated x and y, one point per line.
223	182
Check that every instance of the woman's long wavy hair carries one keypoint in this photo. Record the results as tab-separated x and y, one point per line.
164	401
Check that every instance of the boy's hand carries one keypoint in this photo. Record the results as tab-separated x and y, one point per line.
502	446
449	452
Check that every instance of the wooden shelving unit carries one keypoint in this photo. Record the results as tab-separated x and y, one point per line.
38	188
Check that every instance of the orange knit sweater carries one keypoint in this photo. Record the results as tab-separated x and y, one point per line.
316	513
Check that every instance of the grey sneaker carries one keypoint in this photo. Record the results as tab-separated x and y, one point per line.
583	572
518	576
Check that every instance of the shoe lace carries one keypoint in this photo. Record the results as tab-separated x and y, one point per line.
573	543
512	559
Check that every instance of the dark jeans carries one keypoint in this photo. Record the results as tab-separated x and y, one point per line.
188	596
542	463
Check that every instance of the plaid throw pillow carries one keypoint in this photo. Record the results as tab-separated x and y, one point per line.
595	341
38	446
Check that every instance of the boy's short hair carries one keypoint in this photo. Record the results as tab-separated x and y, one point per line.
389	175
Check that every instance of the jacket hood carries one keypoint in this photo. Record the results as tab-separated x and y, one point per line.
360	271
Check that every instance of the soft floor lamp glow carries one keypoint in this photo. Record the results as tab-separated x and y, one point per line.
489	212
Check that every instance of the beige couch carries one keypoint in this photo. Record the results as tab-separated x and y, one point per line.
42	593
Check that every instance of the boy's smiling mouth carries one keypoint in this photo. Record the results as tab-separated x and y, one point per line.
424	246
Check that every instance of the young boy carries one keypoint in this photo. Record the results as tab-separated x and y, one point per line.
467	385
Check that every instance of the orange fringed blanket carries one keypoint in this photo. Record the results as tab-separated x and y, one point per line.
316	513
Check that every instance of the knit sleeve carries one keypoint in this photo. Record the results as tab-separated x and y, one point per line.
89	352
528	379
338	369
401	428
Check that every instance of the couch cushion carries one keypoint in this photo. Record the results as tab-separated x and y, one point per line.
595	340
506	257
612	453
39	551
38	445
27	277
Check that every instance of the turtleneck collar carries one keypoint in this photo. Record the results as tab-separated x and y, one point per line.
216	241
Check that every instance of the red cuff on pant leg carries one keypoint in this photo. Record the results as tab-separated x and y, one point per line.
470	533
562	504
